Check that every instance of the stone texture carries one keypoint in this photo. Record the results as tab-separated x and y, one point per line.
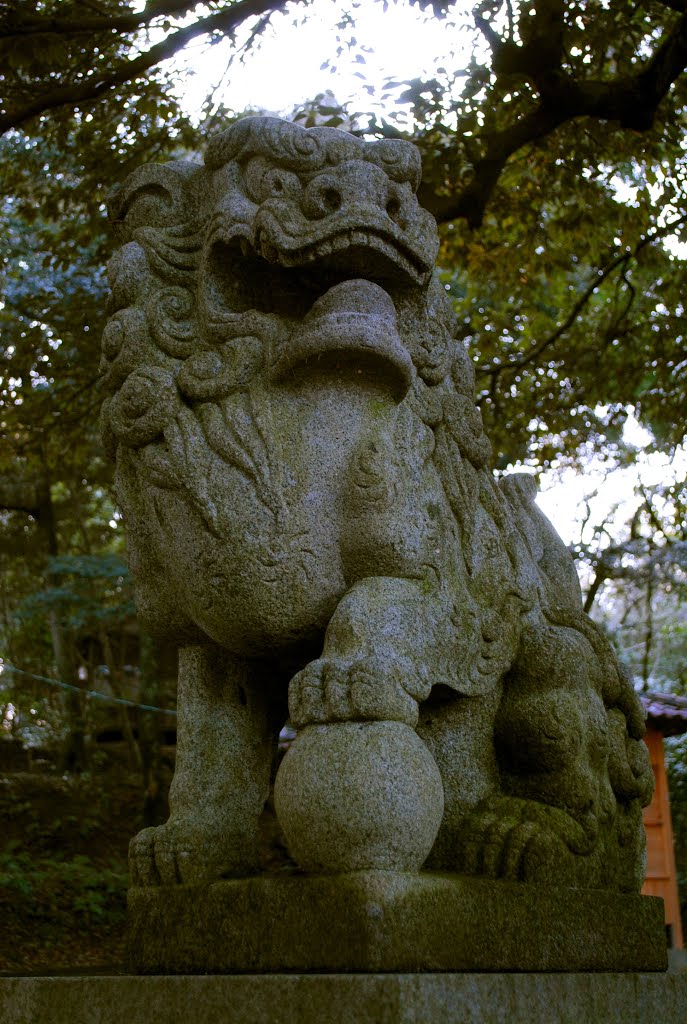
359	795
311	513
388	921
342	999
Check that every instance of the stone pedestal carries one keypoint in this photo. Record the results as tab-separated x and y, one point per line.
348	999
385	921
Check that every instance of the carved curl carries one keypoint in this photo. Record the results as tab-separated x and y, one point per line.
143	406
291	146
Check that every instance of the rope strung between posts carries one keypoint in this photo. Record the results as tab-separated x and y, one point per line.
95	694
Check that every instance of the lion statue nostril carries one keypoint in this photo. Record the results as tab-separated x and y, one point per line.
322	197
332	200
393	207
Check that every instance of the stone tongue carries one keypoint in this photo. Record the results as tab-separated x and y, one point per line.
353	321
359	296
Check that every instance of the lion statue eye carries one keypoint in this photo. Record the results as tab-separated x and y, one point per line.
278	182
264	181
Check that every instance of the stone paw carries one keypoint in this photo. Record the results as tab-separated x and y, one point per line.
176	854
498	847
521	840
368	689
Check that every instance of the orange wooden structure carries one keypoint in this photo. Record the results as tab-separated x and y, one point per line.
666	716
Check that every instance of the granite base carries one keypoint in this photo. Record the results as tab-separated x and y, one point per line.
348	999
384	921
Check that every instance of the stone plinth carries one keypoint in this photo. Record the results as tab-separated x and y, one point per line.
384	921
348	999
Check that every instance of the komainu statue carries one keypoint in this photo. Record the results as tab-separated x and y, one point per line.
313	522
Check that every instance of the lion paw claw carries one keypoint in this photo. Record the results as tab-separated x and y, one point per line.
335	690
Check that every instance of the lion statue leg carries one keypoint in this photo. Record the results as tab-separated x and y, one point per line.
227	734
374	664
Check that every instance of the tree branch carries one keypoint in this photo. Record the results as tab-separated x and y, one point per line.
605	272
75	93
631	100
594	588
22	24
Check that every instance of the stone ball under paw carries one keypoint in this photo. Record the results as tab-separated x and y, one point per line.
356	796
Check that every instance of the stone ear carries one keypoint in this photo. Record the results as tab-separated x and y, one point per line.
156	195
399	159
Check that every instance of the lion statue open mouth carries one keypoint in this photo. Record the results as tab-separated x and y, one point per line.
310	511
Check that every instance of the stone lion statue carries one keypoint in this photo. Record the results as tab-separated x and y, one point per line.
311	515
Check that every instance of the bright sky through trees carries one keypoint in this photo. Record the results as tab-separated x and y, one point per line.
293	63
577	503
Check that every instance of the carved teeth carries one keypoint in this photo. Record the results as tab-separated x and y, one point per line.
269	251
323	249
354	237
346	239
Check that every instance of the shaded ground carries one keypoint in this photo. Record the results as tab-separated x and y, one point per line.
63	875
63	864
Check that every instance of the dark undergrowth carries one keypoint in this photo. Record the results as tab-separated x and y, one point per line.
63	872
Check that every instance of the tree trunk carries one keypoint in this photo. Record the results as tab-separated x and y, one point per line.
74	756
135	760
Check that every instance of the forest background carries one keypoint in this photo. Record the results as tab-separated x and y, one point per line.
552	135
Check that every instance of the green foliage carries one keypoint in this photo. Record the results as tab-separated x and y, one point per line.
573	311
63	866
570	302
86	594
49	887
44	875
94	591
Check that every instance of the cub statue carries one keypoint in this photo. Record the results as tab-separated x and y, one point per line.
313	523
